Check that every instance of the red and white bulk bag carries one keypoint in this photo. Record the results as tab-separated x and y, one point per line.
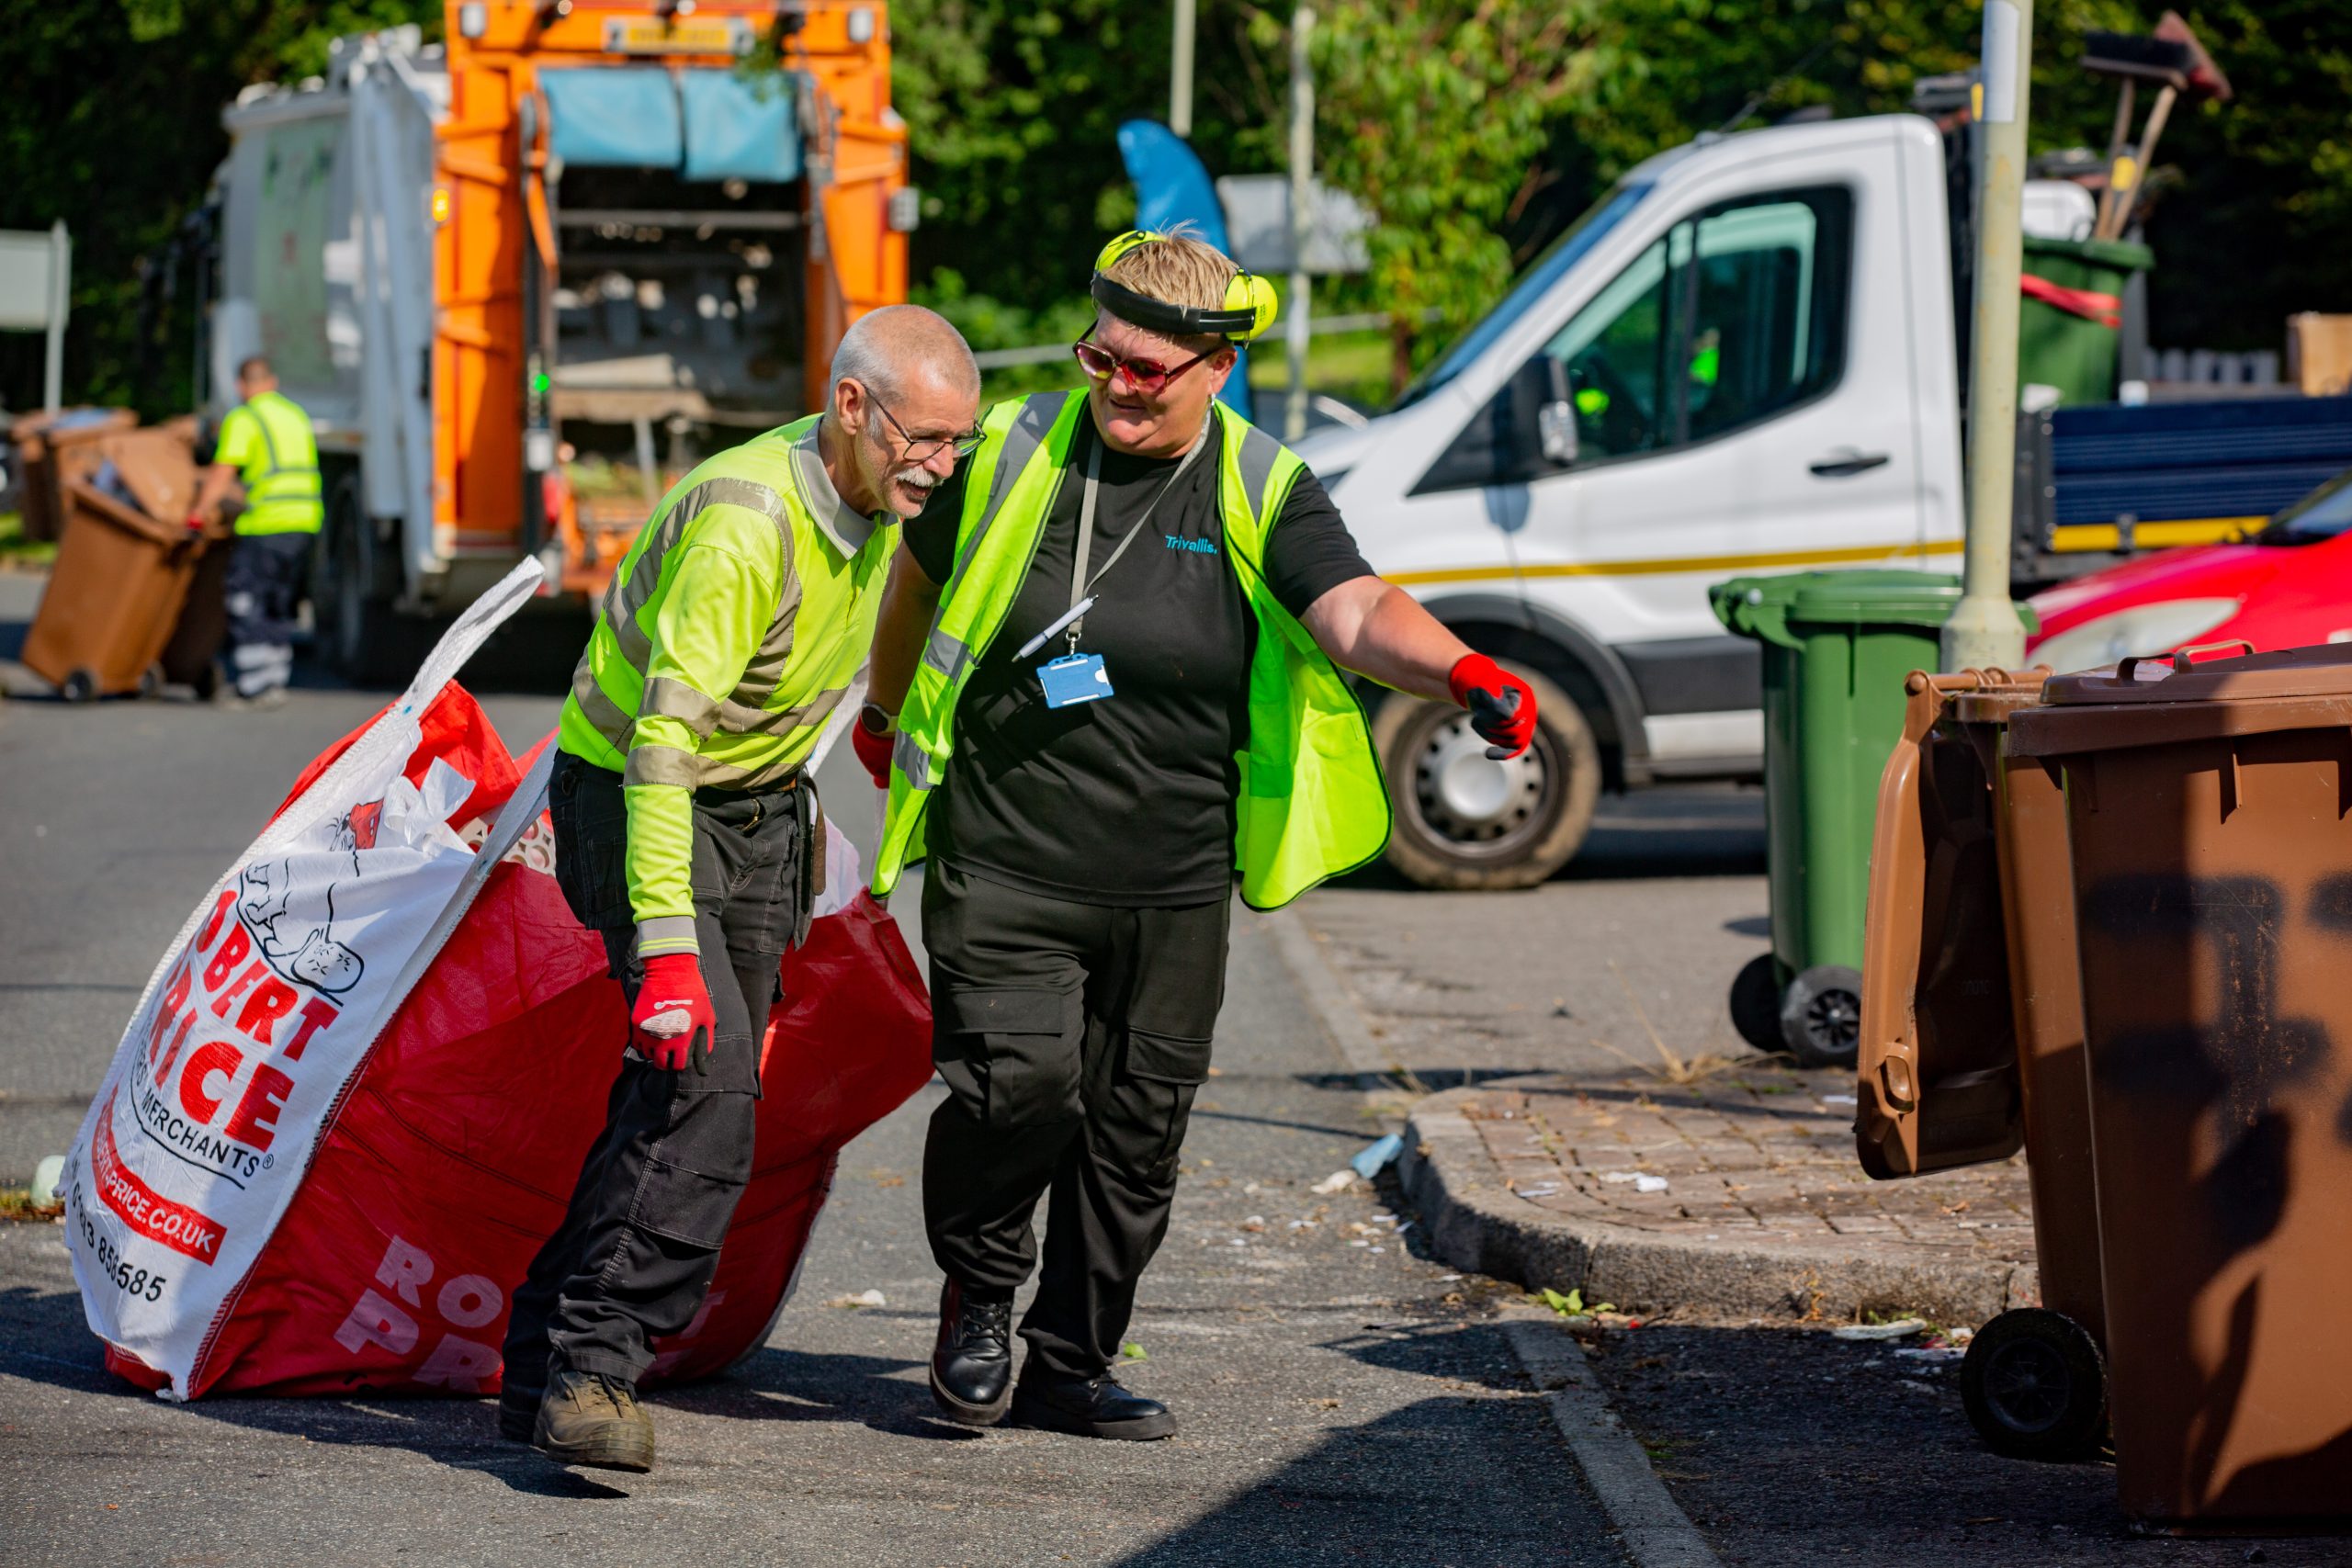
354	1099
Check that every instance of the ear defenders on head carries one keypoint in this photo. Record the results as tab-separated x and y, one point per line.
1249	310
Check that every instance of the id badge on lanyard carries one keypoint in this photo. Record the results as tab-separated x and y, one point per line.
1076	677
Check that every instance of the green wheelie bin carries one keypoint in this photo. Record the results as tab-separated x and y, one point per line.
2072	311
1837	647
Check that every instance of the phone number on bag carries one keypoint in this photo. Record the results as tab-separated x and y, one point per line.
137	1284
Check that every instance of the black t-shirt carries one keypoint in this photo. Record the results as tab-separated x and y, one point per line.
1130	800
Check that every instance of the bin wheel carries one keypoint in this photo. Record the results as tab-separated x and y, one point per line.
1821	1015
2034	1385
209	680
1756	1004
80	687
151	681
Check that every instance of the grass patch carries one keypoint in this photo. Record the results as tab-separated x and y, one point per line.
18	550
17	1203
1354	366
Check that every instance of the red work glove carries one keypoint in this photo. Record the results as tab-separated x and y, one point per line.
673	1021
873	748
1502	707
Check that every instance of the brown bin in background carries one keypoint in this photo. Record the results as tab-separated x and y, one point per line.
2209	820
1972	1033
56	448
113	599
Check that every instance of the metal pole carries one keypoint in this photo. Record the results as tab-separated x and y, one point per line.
60	298
1983	629
1180	75
1302	216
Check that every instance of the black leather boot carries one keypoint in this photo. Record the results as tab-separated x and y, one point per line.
971	1366
1087	1407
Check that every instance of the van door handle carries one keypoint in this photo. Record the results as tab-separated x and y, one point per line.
1848	462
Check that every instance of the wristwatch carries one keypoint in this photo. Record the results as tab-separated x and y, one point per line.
873	721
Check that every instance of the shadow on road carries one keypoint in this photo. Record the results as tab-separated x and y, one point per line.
48	1342
1388	1490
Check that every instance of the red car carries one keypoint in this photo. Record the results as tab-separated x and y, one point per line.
2288	586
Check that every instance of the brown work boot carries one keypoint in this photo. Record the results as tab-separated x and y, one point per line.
589	1418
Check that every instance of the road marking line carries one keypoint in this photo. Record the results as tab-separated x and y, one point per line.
1656	1533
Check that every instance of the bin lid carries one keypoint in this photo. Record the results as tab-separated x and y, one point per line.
2197	694
2209	674
2121	256
1755	606
1896	598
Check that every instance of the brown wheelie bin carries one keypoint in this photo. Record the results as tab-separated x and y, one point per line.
2209	825
113	599
1971	1039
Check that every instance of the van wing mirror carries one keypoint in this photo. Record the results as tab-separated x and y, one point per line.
1556	417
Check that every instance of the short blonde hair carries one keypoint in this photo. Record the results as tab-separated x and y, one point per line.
1179	268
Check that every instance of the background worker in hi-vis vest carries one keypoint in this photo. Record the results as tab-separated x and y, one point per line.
685	836
1105	683
267	443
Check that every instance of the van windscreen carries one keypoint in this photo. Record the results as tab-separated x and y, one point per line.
1533	284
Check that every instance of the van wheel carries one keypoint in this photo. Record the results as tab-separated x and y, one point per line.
1465	822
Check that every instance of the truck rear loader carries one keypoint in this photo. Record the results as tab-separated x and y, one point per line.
522	280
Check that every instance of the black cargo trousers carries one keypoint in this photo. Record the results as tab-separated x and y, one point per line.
640	1242
1072	1038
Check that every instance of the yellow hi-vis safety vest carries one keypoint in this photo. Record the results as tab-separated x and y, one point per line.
730	630
1312	802
268	440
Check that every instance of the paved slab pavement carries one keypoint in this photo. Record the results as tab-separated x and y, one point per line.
1736	1195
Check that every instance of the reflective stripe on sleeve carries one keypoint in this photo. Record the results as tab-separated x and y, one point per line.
676	699
666	934
663	765
741	720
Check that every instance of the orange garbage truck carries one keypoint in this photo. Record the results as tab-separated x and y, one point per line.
524	278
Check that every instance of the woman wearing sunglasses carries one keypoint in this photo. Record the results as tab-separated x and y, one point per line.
1106	680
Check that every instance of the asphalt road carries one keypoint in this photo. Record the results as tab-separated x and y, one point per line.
1343	1400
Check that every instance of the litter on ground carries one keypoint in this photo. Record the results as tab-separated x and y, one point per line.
1374	1156
1901	1328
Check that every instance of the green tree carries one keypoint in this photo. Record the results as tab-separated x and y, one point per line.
112	122
1013	109
1432	113
2257	208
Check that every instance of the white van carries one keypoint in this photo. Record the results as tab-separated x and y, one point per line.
1740	360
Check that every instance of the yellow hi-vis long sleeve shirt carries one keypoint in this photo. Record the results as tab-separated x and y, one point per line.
730	630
